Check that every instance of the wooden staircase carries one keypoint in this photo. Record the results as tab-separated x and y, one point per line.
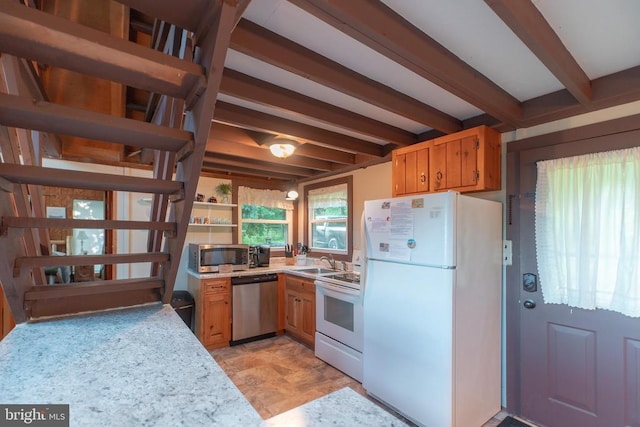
183	72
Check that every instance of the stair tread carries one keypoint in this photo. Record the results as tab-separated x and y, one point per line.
27	113
194	79
90	288
53	260
109	224
24	174
112	58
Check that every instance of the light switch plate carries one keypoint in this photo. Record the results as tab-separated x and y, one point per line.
507	254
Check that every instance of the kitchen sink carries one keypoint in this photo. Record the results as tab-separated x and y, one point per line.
315	270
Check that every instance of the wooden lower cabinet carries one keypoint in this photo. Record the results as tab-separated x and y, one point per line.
300	309
212	323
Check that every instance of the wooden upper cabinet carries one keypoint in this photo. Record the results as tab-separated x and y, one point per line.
455	164
466	161
410	170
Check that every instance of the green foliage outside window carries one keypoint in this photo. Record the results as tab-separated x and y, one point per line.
263	212
262	225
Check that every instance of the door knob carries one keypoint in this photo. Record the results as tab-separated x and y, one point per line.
529	304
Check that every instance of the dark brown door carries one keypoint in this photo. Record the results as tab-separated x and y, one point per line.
576	367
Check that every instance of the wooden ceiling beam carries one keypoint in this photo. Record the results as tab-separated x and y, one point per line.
219	166
526	21
257	120
216	145
244	136
26	113
261	92
608	91
48	39
267	46
382	29
259	166
323	153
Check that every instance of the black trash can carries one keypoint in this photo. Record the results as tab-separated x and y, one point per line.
182	303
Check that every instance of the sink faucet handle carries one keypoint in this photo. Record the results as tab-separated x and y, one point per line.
330	260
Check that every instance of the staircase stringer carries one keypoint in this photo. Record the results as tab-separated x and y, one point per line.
211	52
11	154
12	246
164	165
18	79
168	113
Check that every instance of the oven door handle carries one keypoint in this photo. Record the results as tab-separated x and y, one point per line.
337	288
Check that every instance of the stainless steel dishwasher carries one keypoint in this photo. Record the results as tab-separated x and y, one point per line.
254	307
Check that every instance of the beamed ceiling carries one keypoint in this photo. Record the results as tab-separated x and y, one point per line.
352	80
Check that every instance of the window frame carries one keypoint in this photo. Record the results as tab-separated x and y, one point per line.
316	252
288	221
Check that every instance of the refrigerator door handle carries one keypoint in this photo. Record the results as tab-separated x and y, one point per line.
365	253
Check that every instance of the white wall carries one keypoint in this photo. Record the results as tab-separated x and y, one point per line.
195	234
373	182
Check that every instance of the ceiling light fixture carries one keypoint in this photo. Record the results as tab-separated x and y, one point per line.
292	195
282	147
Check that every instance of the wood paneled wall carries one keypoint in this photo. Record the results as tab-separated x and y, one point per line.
6	320
87	92
64	197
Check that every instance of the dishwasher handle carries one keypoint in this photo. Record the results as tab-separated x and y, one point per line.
257	278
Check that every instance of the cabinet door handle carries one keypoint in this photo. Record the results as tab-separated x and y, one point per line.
423	178
439	176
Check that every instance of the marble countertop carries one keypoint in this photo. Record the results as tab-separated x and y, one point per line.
300	270
142	366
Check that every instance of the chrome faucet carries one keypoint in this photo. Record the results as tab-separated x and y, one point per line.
330	260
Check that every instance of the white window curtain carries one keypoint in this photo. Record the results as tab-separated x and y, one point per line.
267	198
587	219
325	197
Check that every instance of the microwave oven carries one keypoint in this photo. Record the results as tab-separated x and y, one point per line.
206	258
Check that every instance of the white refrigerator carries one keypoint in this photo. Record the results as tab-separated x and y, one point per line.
432	307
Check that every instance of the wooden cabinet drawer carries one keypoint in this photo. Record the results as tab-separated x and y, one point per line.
298	284
215	286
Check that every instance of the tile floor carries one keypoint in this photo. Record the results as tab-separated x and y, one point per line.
278	374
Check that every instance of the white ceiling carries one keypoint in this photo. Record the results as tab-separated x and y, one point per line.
602	35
